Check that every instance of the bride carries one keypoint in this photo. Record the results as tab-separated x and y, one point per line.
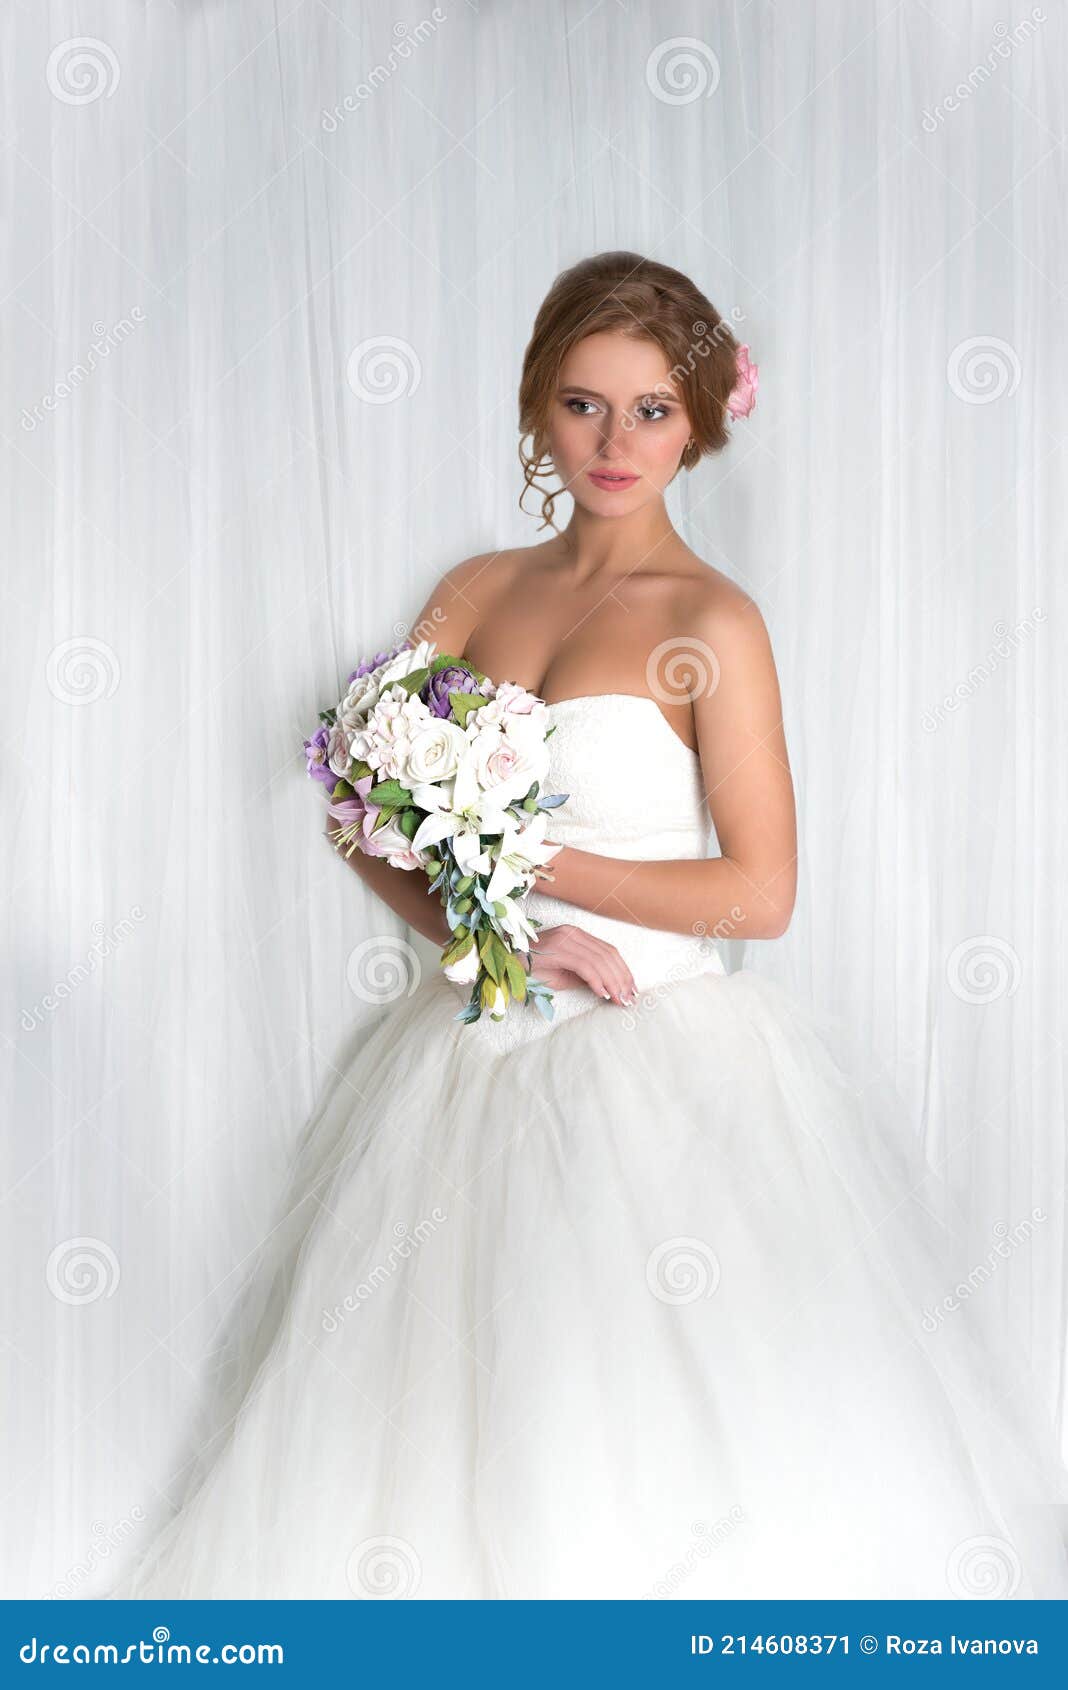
635	1301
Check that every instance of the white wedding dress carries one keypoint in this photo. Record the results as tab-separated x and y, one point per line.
627	1304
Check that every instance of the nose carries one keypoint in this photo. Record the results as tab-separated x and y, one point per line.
615	438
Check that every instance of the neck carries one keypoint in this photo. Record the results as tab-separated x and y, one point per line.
597	546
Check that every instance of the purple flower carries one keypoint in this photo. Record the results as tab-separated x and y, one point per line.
316	748
436	692
374	662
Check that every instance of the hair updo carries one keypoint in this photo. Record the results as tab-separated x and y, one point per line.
636	296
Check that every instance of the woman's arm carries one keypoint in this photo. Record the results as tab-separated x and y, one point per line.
404	890
748	891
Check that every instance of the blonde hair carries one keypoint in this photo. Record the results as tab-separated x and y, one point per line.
636	296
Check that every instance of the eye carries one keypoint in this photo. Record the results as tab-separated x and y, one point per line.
570	403
662	411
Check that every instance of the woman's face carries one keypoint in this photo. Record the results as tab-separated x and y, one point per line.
617	428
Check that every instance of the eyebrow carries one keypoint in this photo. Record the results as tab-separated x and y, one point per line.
646	393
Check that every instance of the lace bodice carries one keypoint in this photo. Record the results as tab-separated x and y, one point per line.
634	790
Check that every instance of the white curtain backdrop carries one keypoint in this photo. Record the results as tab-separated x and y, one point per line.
270	270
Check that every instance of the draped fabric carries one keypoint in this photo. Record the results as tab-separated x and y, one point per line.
269	274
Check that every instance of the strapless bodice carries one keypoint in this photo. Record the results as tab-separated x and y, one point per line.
635	791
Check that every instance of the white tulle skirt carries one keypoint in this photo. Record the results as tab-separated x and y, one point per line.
640	1306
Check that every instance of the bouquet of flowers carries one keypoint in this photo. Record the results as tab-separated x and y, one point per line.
431	765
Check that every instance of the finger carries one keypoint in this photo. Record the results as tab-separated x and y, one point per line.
611	961
618	976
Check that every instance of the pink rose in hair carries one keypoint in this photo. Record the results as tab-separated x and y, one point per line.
744	392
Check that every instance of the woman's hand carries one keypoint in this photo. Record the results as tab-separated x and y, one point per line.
565	957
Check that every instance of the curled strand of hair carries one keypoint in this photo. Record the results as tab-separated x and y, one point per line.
531	474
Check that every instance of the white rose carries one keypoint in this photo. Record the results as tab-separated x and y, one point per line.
503	765
435	752
358	702
337	751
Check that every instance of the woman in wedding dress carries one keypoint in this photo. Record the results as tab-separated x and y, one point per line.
635	1301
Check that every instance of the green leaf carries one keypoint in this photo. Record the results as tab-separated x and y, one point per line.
458	948
390	792
464	702
488	956
408	822
411	683
501	953
342	790
517	978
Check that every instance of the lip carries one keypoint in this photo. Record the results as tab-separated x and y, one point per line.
610	482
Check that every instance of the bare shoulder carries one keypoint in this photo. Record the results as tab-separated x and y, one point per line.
717	609
462	597
726	625
481	576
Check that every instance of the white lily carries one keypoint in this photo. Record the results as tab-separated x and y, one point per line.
515	926
461	812
522	850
